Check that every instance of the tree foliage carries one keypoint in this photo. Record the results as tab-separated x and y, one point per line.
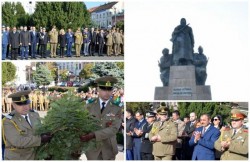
139	106
86	72
8	72
13	14
66	121
62	14
109	68
42	76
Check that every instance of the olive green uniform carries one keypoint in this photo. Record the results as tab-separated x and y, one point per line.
110	121
19	138
238	148
165	149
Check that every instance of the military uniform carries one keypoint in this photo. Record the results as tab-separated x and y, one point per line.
109	43
78	42
110	121
18	134
238	140
167	130
53	42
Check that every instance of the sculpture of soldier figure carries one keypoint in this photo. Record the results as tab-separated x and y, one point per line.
200	62
164	64
183	43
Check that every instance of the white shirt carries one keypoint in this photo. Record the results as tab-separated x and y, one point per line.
101	101
28	118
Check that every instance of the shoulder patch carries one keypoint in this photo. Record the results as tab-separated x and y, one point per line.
116	102
245	130
91	100
9	116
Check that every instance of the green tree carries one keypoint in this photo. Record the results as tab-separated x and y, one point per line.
8	72
63	75
61	14
120	65
42	76
109	68
120	25
8	14
22	17
86	72
52	66
139	106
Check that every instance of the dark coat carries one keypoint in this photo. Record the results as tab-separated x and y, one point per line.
25	38
130	124
146	145
34	38
62	40
14	40
43	38
101	38
92	37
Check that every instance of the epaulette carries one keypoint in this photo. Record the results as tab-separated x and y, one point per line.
117	103
91	100
9	116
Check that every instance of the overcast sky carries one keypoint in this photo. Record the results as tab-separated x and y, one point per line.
220	27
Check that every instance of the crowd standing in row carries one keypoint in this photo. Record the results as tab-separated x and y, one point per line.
159	137
87	42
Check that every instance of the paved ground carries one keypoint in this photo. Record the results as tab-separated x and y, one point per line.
105	57
119	156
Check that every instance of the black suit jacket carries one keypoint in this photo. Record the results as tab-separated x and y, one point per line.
92	37
189	130
101	38
146	145
25	38
34	38
14	39
43	38
130	125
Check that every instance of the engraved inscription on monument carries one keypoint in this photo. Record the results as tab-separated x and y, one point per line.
182	91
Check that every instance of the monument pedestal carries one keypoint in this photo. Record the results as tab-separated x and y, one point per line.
182	86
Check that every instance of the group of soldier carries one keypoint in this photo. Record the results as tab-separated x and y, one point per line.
40	101
87	42
159	137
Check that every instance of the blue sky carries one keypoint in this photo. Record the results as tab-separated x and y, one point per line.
93	4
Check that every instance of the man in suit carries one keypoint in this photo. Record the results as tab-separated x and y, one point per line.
137	135
43	40
24	42
146	144
5	40
233	143
109	116
188	131
163	135
100	42
69	41
19	129
130	125
14	42
203	140
93	34
34	41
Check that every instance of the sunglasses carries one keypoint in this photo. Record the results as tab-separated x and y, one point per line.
216	119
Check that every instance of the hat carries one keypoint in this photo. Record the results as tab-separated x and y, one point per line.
162	110
150	114
106	81
236	114
20	98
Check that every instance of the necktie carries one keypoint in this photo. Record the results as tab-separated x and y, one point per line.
234	132
103	106
26	118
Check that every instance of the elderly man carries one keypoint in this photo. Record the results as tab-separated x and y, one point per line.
109	116
19	129
233	143
163	135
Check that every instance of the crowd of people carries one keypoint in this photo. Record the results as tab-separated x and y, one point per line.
30	43
40	101
157	136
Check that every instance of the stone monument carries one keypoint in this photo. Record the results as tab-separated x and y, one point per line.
183	73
